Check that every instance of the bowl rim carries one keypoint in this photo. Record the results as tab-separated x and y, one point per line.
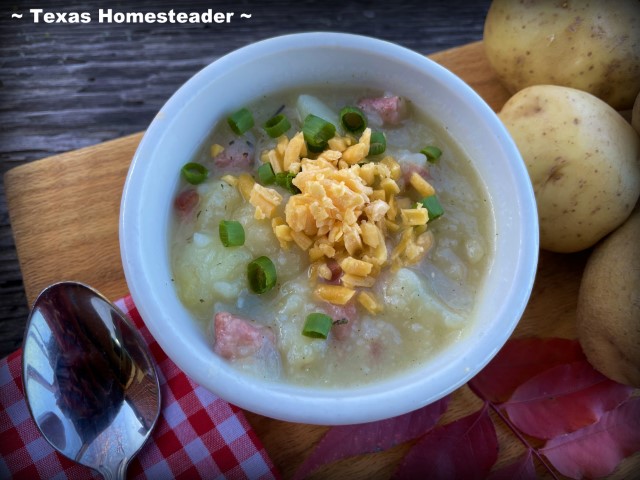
369	403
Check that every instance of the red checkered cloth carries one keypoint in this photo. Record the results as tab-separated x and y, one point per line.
198	435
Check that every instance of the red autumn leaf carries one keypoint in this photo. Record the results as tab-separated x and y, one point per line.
521	469
519	360
465	449
563	399
350	440
596	450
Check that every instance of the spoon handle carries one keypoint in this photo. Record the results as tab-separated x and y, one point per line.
116	471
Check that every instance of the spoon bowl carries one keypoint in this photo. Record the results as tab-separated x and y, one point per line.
90	382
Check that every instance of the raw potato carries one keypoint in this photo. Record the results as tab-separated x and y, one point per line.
608	316
583	159
590	45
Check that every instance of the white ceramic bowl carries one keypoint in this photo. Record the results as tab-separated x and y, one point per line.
336	59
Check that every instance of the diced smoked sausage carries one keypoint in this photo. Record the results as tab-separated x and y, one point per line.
392	110
236	337
237	156
186	201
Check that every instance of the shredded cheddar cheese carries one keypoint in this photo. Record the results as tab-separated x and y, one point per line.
216	149
421	185
336	294
265	200
245	184
345	210
230	180
369	301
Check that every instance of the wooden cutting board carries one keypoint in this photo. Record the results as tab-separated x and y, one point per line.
64	214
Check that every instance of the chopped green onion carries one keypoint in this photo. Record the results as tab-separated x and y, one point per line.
261	274
353	120
194	173
285	180
265	174
240	121
432	153
317	325
231	233
432	204
277	125
377	144
317	132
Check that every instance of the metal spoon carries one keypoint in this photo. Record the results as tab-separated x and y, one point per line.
89	381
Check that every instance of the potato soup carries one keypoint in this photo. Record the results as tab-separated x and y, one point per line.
328	237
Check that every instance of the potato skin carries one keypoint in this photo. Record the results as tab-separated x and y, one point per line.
635	115
589	45
608	314
583	159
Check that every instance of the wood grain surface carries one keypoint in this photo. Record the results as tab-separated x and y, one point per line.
64	213
64	87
